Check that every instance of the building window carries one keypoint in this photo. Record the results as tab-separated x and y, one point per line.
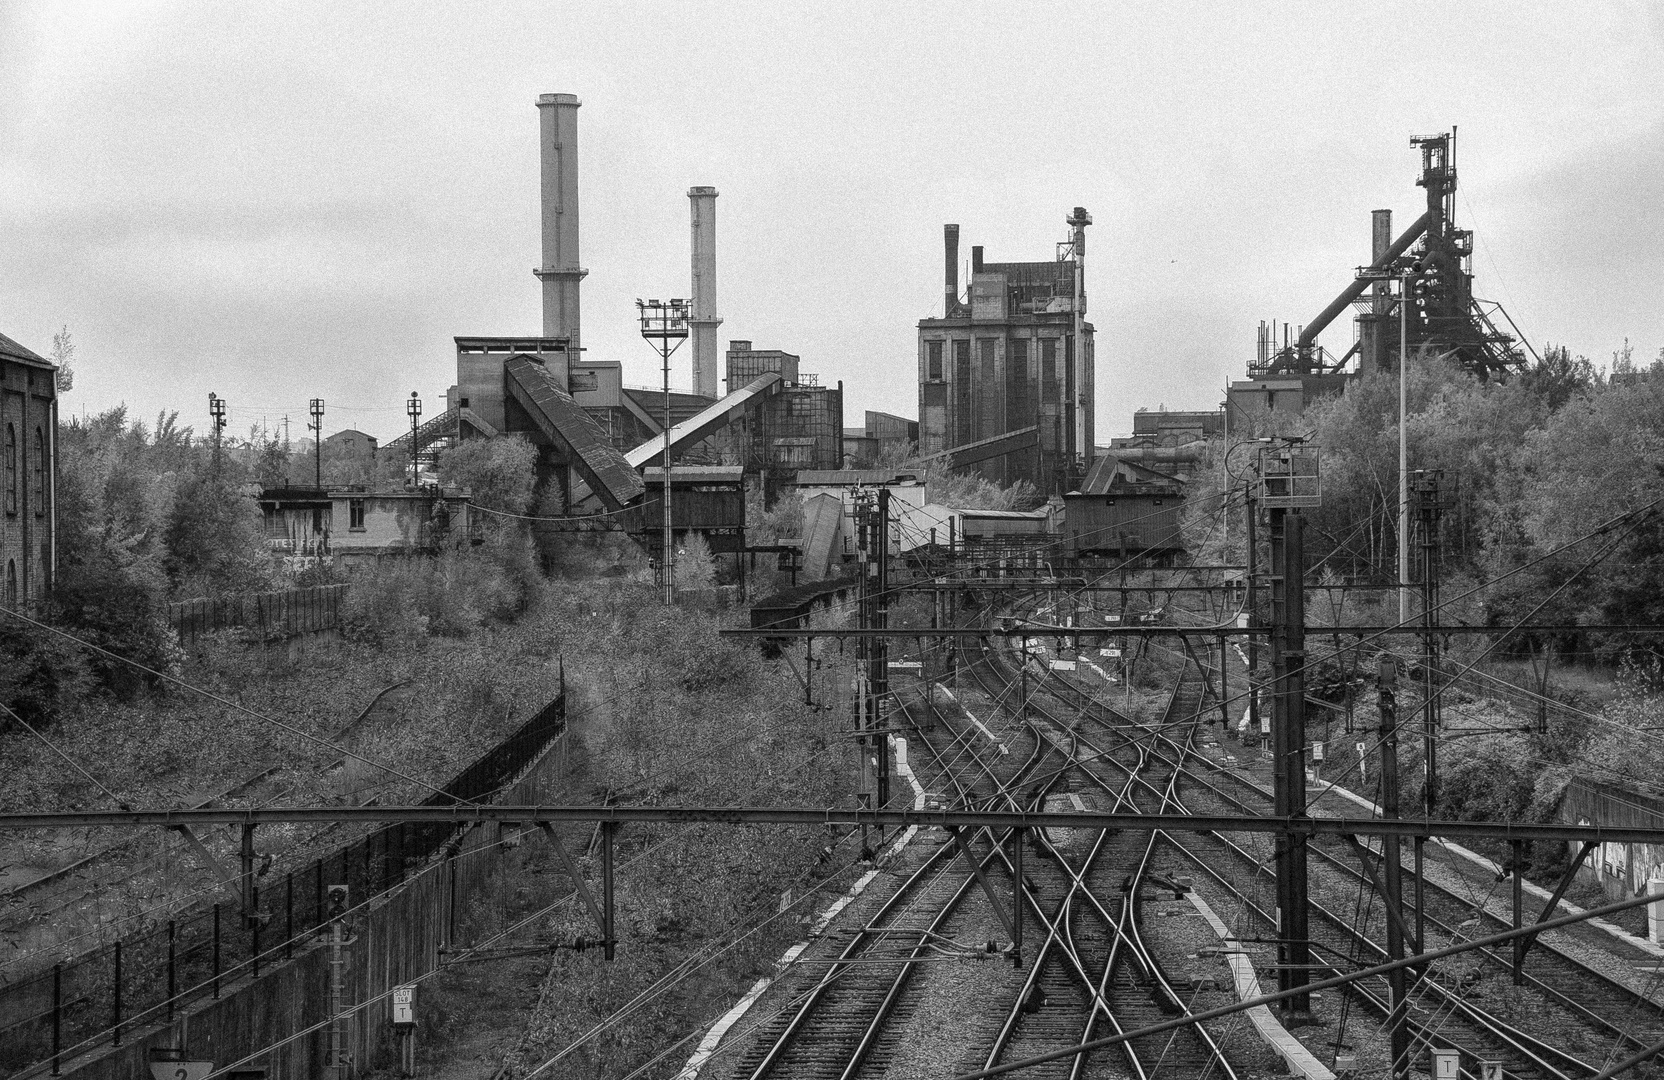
1048	370
964	417
355	515
1018	406
933	366
40	474
11	469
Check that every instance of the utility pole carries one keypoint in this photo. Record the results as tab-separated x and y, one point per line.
1398	1029
216	411
414	408
1288	742
1427	485
317	427
667	324
1404	448
1249	572
1288	481
881	646
871	553
337	900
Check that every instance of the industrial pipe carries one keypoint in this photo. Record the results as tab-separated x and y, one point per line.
1356	289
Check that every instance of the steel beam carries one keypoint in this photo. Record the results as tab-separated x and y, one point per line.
1094	634
578	881
964	848
1559	892
469	814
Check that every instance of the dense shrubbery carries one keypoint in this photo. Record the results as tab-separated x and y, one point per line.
1536	463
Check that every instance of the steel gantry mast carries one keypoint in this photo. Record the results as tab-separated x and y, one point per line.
1287	482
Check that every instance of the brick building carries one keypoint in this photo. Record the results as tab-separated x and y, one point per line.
28	473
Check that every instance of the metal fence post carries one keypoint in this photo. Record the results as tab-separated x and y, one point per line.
117	988
289	917
172	980
254	931
57	1015
216	979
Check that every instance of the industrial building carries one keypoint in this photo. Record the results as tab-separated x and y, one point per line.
1126	511
799	427
1171	441
352	528
1417	287
881	434
28	474
1006	373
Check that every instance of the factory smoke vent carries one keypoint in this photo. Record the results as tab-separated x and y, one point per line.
560	272
702	203
950	272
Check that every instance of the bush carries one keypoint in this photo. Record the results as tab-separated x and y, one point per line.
401	602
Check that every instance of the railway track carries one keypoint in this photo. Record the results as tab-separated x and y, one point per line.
1598	1013
1094	973
844	1025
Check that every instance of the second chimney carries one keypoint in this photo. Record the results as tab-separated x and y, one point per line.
560	272
702	203
950	278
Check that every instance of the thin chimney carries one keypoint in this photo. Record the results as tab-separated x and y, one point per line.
950	279
702	203
560	272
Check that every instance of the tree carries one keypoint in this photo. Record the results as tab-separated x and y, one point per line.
214	537
63	351
499	473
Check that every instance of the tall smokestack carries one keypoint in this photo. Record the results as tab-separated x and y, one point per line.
560	273
950	275
702	203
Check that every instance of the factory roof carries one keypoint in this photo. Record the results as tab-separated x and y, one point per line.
1114	475
692	474
850	477
11	350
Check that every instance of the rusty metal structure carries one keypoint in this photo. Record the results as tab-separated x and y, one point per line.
1429	266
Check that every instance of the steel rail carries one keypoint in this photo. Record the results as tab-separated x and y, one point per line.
938	864
1126	923
1578	1010
1528	1047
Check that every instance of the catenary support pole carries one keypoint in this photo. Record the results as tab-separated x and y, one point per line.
1398	1028
1288	741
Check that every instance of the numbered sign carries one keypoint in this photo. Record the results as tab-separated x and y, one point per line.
1317	751
404	1004
1447	1065
1113	654
1063	665
180	1070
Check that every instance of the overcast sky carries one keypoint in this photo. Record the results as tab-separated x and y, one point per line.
292	200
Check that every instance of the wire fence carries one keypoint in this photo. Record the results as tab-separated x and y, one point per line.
104	995
268	616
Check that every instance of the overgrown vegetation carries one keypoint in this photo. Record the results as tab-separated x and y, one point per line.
1536	464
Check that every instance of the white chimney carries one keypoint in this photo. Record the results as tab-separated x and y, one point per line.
560	272
702	201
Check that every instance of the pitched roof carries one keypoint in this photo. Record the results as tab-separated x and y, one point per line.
11	350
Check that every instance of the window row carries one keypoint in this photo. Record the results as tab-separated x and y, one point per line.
38	469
